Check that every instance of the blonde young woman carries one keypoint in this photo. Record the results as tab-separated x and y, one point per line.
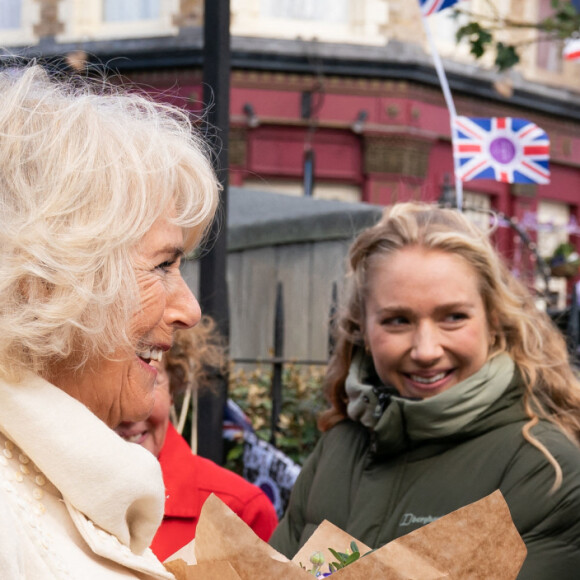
446	384
100	196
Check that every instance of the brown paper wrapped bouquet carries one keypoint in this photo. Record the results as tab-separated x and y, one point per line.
477	542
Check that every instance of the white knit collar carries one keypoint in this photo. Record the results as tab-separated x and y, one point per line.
117	485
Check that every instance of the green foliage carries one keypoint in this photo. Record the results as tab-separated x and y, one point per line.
565	261
506	56
344	559
564	250
303	400
564	21
478	37
480	30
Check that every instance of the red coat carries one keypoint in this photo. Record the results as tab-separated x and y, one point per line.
189	480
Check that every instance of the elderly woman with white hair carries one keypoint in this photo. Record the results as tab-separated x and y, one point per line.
101	193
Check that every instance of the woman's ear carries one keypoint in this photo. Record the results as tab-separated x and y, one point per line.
493	331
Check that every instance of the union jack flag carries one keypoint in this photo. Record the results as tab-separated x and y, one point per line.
431	6
502	148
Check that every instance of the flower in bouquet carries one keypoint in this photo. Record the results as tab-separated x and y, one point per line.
343	559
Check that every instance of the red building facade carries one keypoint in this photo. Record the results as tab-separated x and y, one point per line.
387	139
375	119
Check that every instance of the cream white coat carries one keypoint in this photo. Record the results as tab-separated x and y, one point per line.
76	501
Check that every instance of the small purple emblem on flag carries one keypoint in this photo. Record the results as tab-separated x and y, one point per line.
502	148
431	6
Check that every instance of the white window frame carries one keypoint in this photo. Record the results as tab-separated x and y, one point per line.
558	214
365	23
85	22
299	10
6	9
117	4
295	188
24	34
481	212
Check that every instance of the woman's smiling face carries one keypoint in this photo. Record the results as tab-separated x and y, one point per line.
151	432
121	388
425	325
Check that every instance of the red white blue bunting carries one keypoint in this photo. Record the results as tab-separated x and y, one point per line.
429	7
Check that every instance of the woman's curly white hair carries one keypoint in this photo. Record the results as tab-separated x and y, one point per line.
85	170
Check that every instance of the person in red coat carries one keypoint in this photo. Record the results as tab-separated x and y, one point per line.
190	479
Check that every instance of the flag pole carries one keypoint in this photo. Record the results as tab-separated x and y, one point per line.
450	105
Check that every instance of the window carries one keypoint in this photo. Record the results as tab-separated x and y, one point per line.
477	208
10	14
335	191
130	10
553	219
549	51
322	10
341	21
100	20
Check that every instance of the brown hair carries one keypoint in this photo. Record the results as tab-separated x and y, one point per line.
195	355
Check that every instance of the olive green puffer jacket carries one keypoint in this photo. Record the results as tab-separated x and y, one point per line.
424	459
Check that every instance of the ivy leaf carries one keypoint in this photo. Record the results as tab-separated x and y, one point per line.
467	30
479	38
506	56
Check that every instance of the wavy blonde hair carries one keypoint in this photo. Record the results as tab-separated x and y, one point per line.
552	391
85	171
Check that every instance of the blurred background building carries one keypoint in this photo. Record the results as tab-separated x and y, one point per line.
337	98
331	101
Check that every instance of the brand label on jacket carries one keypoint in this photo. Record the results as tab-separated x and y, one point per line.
410	519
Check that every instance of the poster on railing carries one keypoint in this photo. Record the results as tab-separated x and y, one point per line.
270	469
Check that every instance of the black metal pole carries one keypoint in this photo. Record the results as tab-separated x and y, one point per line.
213	293
309	171
332	319
278	365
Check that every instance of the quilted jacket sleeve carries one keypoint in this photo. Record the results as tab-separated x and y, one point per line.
549	523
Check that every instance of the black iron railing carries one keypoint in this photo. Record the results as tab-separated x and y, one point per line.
278	361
